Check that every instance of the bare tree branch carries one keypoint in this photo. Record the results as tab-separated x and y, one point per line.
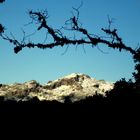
1	29
1	1
60	39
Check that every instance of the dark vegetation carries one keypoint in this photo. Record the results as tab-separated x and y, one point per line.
124	97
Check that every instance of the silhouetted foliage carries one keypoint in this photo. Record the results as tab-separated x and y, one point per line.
136	74
127	91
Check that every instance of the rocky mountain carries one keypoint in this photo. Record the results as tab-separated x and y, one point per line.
75	86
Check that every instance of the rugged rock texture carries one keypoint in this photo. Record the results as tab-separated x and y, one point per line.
74	86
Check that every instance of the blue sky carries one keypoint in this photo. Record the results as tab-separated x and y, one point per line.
45	65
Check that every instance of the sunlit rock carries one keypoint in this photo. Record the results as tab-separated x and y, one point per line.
74	86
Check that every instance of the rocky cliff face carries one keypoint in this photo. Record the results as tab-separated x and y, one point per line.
75	86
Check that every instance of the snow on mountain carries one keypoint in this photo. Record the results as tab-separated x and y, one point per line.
76	86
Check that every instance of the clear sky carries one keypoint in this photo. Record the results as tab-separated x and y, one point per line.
45	65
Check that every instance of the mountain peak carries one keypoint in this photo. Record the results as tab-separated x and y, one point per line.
76	74
76	85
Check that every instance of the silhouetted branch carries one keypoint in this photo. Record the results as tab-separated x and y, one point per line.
1	1
1	26
1	29
41	19
110	21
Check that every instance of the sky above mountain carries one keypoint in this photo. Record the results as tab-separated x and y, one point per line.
45	65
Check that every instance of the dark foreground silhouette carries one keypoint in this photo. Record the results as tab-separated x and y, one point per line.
117	110
123	98
98	115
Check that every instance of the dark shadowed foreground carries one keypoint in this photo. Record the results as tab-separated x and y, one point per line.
117	101
118	113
